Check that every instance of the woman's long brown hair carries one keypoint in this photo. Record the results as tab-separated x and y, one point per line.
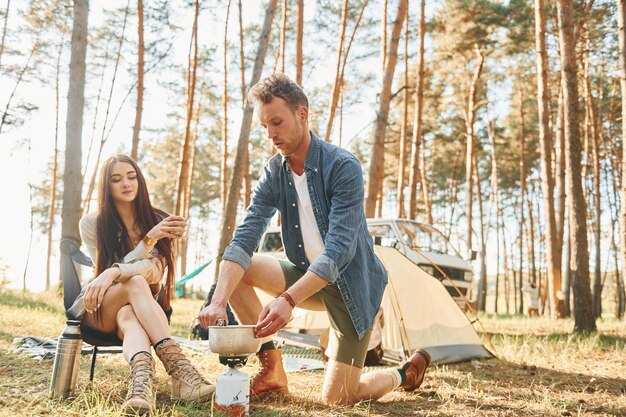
113	239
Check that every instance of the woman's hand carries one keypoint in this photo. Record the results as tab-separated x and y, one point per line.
94	294
171	227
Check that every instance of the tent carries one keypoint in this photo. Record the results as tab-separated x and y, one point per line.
417	312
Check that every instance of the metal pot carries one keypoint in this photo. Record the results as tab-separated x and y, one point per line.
233	340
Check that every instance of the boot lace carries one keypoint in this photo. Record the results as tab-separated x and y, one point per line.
264	361
141	377
180	367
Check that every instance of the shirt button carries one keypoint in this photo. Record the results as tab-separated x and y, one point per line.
290	183
296	226
302	263
293	204
299	246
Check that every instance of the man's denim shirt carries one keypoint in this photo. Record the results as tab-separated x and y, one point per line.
335	183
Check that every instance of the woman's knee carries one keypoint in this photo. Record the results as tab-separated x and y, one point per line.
137	284
125	314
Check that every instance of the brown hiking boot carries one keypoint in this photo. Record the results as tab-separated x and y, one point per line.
139	398
271	379
415	369
187	383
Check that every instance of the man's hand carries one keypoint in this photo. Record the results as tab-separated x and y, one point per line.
211	314
94	294
275	316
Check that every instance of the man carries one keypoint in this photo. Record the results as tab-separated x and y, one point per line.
318	189
532	299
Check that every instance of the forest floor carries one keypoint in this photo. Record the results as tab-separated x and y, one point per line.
541	369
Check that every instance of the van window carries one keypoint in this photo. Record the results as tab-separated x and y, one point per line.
381	230
272	243
422	237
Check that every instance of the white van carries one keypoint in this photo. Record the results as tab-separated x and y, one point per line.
421	243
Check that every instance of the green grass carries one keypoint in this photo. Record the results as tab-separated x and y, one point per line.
541	369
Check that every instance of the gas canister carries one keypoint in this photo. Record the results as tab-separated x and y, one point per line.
232	393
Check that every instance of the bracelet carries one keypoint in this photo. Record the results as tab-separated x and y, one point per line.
149	241
287	297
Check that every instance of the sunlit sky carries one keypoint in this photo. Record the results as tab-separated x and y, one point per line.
20	165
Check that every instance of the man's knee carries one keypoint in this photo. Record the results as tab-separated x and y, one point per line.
341	384
336	396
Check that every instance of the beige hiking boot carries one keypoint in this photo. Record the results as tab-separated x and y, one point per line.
187	383
139	398
271	379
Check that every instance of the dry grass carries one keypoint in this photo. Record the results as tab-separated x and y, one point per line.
541	370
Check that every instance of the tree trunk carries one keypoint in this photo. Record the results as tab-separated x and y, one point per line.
593	126
299	36
522	179
72	176
560	177
94	124
4	30
224	166
104	136
185	152
383	38
242	64
228	221
482	282
140	87
376	171
584	319
247	181
184	243
414	172
283	38
567	280
553	249
531	238
343	66
507	284
470	118
55	162
404	127
334	95
621	21
496	201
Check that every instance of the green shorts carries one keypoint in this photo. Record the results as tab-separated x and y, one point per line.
344	344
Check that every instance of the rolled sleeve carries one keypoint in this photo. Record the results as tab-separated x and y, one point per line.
141	251
238	255
326	268
151	269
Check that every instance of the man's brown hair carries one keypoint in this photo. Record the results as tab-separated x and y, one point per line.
278	85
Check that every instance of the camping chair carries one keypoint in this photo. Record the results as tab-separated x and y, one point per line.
70	254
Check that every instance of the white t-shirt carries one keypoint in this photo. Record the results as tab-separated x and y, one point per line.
313	243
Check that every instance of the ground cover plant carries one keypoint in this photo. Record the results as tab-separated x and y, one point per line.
541	369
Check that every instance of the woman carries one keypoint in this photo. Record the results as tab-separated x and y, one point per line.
130	243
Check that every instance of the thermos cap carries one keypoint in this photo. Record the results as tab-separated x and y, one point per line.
72	329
